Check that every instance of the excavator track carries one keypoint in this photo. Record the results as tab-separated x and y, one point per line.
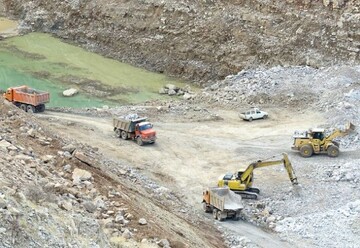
247	195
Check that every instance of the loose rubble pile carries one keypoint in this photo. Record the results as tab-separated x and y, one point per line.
334	91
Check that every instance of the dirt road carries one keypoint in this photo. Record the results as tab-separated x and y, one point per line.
190	156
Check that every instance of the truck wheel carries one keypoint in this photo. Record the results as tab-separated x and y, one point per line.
306	151
117	133
139	141
215	213
41	107
333	151
124	135
219	216
250	119
265	117
23	107
205	207
30	109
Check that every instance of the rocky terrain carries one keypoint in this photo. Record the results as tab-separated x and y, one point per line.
77	198
67	181
202	40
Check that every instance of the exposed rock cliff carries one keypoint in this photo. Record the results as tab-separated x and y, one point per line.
203	40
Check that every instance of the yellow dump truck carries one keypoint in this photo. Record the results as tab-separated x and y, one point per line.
222	202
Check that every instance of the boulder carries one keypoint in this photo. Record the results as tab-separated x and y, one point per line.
70	92
142	221
80	175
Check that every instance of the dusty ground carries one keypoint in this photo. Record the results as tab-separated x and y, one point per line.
189	156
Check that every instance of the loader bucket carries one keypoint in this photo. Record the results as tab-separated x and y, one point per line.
350	127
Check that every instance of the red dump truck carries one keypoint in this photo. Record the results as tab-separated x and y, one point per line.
28	99
222	203
134	127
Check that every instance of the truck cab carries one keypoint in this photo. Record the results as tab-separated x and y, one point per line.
145	132
8	95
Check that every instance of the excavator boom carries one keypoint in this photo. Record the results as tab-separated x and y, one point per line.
241	182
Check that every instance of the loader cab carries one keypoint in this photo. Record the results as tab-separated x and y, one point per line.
317	133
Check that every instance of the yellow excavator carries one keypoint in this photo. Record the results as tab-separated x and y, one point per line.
241	182
315	141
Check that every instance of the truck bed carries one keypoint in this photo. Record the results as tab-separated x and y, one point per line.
24	94
126	124
225	199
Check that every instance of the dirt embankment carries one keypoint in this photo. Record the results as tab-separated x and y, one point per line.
202	40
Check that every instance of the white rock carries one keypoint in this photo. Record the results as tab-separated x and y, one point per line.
142	221
70	92
80	175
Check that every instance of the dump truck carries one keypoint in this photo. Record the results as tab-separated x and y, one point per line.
222	203
253	114
315	141
241	181
28	99
134	127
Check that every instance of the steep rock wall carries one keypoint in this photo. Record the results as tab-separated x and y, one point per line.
203	40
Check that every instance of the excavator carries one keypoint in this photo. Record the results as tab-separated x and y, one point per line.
315	141
241	182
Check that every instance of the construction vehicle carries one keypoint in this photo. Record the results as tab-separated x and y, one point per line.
241	182
28	99
315	141
222	202
134	127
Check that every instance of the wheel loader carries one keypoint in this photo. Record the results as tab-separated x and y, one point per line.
241	182
315	141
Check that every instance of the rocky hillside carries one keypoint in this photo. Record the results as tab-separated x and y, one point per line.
56	192
202	40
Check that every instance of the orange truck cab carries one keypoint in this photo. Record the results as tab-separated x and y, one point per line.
28	99
135	128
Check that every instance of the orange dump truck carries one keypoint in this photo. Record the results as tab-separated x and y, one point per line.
28	99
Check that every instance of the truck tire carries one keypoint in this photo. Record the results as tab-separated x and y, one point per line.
306	151
333	151
23	107
218	215
265	117
117	132
206	208
41	107
30	109
215	211
250	119
139	141
124	135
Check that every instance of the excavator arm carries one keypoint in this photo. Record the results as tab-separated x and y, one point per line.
247	174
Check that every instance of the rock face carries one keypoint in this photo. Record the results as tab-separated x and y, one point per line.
203	40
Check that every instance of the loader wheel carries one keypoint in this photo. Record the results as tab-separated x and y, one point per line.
139	141
23	107
215	213
306	151
124	135
333	151
30	109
